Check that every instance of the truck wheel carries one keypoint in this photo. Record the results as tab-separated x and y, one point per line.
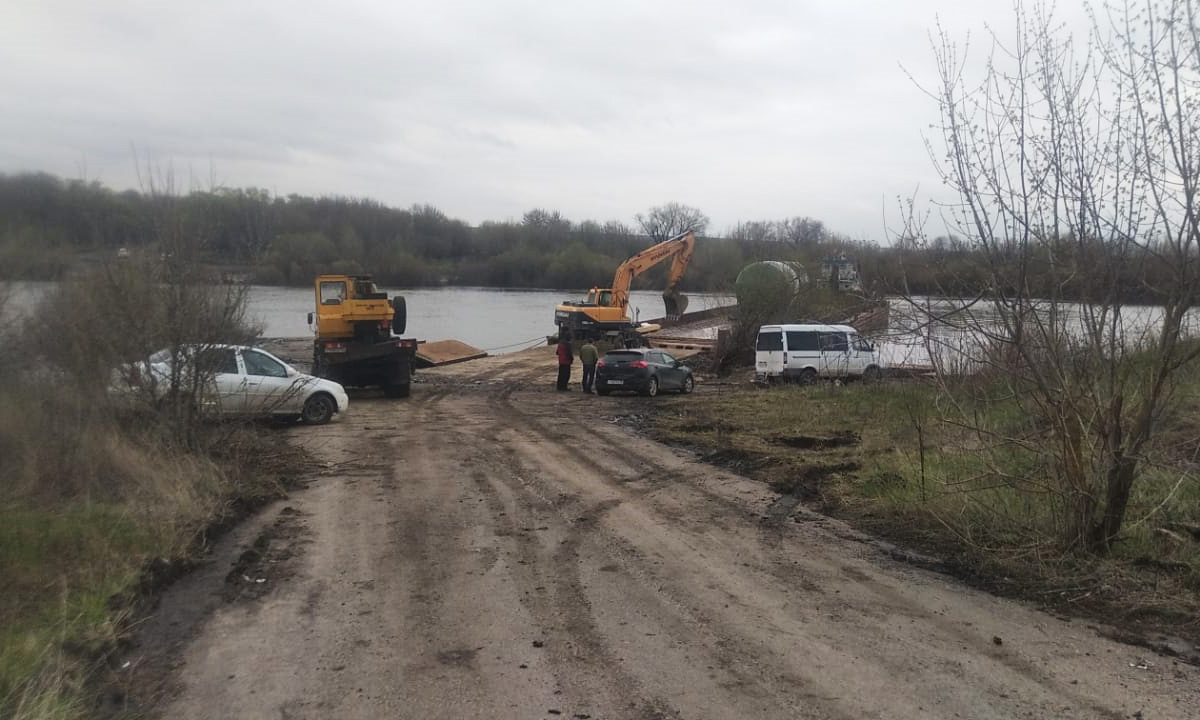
399	315
397	390
318	410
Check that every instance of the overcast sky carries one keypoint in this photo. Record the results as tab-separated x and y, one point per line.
758	110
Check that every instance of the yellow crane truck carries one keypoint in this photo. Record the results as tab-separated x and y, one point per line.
606	310
355	342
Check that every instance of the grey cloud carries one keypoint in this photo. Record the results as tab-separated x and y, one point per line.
486	109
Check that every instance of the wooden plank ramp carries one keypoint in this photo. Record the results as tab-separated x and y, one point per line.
446	352
680	343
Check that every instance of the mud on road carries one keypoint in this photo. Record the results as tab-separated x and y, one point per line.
492	548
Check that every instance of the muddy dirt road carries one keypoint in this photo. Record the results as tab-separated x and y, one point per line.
490	548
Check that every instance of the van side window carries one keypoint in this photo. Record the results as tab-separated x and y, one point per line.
834	341
802	340
769	341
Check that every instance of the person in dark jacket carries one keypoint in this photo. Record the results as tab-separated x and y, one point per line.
565	357
588	357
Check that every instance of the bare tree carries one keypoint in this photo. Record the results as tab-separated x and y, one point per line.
1076	167
666	221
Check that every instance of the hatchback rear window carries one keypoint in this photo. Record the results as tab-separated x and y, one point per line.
622	356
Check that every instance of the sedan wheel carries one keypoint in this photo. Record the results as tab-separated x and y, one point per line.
318	410
688	385
652	387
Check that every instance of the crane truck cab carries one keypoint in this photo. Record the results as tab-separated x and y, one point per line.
803	353
606	310
354	343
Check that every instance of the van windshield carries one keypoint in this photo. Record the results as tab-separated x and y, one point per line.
770	341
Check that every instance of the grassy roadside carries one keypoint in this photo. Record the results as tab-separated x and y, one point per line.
888	459
103	498
95	512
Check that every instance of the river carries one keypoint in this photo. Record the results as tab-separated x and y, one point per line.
501	321
495	320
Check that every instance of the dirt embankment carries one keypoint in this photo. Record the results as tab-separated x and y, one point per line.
492	548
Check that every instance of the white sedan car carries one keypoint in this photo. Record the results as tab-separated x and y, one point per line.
235	380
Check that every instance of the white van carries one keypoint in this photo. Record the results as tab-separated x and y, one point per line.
804	353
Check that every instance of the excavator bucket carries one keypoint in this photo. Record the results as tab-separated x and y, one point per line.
676	304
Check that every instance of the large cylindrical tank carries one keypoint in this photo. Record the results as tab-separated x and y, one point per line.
769	280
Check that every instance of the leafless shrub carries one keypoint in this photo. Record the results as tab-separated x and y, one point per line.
1075	164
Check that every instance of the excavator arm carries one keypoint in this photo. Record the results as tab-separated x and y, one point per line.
679	248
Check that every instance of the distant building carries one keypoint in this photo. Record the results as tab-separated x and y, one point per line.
846	269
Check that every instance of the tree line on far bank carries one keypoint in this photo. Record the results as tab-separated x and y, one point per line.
48	225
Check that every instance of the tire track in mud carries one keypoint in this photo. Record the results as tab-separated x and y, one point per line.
678	615
586	669
772	538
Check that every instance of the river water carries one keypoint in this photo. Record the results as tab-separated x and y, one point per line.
501	321
495	320
498	321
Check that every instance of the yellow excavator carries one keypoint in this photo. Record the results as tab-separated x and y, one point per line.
606	310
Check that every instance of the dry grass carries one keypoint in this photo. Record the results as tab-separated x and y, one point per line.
94	496
886	458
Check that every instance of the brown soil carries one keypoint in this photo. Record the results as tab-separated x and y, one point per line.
492	548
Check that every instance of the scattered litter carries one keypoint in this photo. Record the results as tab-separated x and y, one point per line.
249	579
1141	664
538	643
125	665
996	640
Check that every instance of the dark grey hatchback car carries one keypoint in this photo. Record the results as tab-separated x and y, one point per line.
644	370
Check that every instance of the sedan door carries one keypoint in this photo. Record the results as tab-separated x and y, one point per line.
224	382
270	389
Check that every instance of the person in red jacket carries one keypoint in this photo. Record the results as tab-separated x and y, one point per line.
565	357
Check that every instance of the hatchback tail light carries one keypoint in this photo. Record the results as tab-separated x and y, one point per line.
600	364
638	364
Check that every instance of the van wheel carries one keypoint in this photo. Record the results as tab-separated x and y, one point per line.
872	374
808	376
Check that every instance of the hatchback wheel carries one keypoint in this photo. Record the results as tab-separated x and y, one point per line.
318	410
688	385
651	387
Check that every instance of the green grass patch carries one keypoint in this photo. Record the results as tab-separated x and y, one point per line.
93	500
